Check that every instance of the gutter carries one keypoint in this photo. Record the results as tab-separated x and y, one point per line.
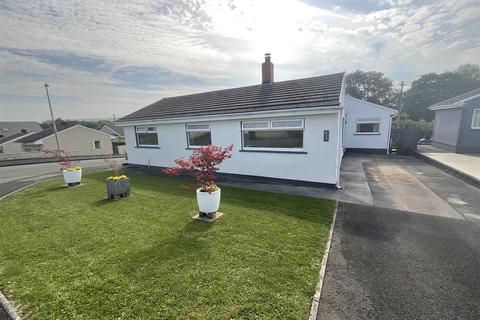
234	116
390	130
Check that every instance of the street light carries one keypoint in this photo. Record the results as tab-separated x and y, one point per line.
53	119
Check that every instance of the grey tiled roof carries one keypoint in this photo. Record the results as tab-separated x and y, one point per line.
319	91
458	98
114	128
44	133
8	128
11	137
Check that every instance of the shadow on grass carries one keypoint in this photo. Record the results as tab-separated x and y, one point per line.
190	242
102	202
57	188
300	207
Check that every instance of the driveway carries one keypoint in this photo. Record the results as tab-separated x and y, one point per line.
390	264
407	247
409	184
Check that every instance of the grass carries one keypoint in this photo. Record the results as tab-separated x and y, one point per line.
68	253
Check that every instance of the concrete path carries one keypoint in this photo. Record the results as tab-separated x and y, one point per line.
393	186
396	182
389	264
468	164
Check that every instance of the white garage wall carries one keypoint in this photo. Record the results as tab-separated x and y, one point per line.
318	165
357	109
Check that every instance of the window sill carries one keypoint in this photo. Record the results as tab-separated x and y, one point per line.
147	147
274	151
194	148
366	133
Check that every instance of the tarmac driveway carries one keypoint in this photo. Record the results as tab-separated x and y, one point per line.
390	264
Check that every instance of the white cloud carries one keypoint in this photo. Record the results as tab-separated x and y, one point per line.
218	41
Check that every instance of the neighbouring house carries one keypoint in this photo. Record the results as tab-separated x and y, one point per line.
9	145
367	126
10	128
115	132
290	130
74	139
456	126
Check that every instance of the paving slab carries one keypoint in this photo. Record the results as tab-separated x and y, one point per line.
467	164
395	187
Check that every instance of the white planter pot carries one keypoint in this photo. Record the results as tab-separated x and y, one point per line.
72	177
208	202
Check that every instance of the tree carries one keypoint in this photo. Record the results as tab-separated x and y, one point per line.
432	88
202	164
469	71
371	86
59	122
404	121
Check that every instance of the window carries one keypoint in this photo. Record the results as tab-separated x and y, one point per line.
146	136
198	135
96	144
476	119
368	126
273	135
32	147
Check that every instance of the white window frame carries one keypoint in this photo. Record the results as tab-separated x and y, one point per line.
99	142
270	128
187	130
367	121
144	129
473	118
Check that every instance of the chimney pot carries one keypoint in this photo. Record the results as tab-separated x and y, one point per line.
267	70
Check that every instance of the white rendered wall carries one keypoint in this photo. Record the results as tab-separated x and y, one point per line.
318	165
356	109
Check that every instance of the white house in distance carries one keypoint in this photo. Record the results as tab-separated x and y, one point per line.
75	139
291	130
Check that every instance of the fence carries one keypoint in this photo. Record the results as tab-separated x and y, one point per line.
404	140
41	155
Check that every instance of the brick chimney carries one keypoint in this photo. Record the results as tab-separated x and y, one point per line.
267	70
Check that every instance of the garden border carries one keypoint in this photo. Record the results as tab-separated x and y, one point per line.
9	309
318	289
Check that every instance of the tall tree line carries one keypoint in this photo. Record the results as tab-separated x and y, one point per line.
425	91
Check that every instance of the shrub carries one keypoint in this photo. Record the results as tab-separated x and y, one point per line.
202	164
404	121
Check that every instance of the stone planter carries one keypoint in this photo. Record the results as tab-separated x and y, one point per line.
118	188
72	177
208	203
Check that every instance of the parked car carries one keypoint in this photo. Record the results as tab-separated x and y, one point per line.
425	141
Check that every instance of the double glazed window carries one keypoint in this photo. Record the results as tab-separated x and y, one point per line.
368	126
198	135
273	135
476	119
146	136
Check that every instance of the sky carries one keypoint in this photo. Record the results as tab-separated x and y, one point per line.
111	57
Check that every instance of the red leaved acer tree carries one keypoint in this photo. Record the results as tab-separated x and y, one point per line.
63	159
202	164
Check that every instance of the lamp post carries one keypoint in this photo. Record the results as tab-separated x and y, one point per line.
53	119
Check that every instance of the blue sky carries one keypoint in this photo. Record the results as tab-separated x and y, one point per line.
102	58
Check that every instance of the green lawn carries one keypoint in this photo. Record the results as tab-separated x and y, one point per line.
68	253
